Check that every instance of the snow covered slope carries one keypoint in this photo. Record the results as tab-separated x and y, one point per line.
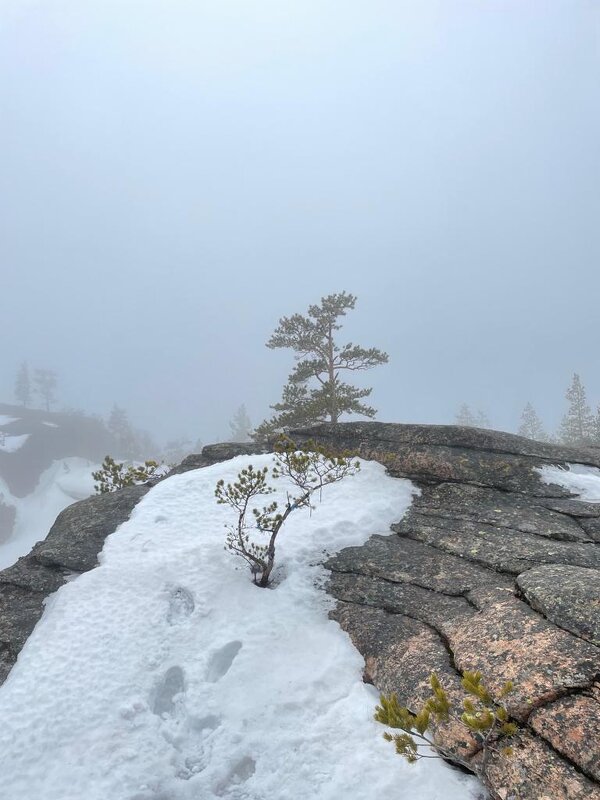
64	482
165	674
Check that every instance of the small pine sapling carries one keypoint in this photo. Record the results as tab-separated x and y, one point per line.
115	475
486	720
309	468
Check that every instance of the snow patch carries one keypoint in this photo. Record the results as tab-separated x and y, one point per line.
10	444
169	675
6	420
578	479
50	424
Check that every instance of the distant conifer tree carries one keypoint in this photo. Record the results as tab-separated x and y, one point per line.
468	419
46	380
175	450
482	420
465	417
240	425
314	391
531	426
23	385
577	426
125	437
597	427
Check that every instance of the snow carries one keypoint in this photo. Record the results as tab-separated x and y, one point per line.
579	479
50	424
64	482
6	420
167	675
9	444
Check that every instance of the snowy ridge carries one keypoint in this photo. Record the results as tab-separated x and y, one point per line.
169	676
578	479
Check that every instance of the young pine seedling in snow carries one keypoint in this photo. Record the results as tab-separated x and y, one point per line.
309	468
486	720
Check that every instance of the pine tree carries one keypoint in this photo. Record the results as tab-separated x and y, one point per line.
485	719
468	419
482	420
124	435
577	426
597	427
46	380
175	450
465	417
531	426
308	468
314	391
23	385
240	425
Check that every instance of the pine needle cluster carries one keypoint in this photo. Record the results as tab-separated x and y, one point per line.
487	721
115	475
309	468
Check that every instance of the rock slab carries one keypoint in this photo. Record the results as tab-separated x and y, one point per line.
490	569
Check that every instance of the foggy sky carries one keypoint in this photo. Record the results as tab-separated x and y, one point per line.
178	174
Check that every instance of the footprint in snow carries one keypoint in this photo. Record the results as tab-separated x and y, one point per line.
153	796
240	772
208	723
191	744
181	604
221	660
171	684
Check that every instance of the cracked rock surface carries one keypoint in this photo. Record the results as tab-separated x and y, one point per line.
489	570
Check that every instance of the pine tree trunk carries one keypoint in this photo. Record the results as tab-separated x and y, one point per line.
333	412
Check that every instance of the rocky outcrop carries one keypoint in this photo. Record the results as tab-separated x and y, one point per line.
7	520
214	453
490	569
49	436
44	438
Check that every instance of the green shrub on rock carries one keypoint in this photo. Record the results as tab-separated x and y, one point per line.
487	721
115	475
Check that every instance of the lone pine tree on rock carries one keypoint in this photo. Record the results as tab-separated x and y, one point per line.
315	391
